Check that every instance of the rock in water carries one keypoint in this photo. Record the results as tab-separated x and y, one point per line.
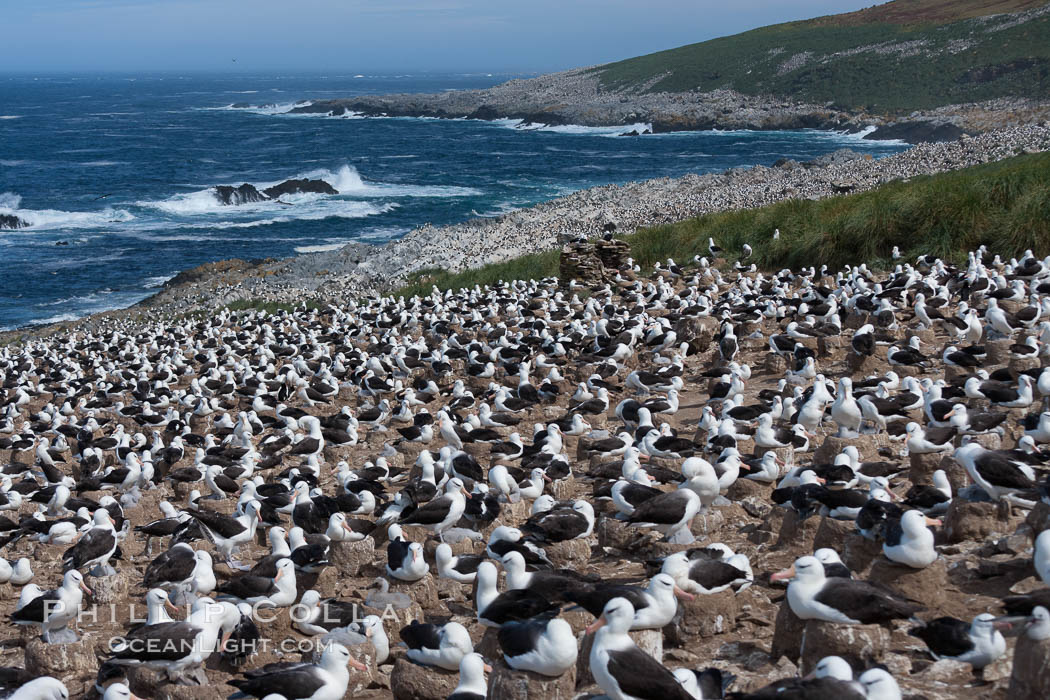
296	186
10	221
232	196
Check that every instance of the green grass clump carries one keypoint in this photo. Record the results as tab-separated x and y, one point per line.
1004	205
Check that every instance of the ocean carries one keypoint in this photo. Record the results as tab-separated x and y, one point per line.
114	174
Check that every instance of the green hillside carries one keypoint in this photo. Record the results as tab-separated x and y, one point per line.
903	55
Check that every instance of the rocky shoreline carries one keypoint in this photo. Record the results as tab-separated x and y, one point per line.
359	269
577	97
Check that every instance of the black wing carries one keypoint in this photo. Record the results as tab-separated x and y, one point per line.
517	638
36	609
174	565
430	513
298	681
419	635
247	586
864	602
167	641
594	600
222	525
640	675
665	509
945	636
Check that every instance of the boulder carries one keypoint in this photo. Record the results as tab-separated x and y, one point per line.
748	488
858	553
617	534
928	586
62	660
861	645
705	616
867	445
696	333
998	352
423	592
350	557
1030	677
152	684
108	590
797	534
571	554
862	365
507	684
830	345
564	489
831	533
410	681
946	672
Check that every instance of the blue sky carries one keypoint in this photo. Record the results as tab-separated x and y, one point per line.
369	36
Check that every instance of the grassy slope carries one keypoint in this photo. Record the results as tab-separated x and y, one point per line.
962	60
1004	205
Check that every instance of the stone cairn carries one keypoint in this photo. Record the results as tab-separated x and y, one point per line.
593	262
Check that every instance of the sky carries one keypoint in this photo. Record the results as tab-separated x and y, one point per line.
359	36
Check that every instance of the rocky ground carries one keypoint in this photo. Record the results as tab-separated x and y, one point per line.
577	97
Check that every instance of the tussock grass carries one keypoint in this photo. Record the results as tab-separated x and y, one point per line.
1004	205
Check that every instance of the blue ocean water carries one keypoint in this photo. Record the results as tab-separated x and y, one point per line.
113	172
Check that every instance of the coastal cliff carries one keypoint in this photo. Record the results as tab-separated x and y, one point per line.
914	70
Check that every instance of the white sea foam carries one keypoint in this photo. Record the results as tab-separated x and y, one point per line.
319	248
270	109
576	129
155	282
39	219
10	116
12	163
349	182
293	207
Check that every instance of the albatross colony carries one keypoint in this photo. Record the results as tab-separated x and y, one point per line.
679	485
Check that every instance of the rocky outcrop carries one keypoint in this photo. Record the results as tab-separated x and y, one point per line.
10	221
233	196
593	262
248	193
299	186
